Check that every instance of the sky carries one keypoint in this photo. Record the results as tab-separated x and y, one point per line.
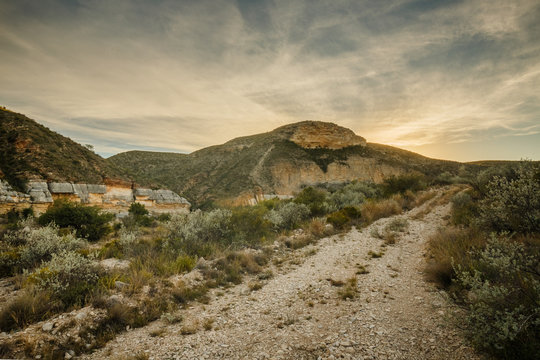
457	80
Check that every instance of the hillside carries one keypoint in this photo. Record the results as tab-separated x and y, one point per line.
30	151
277	162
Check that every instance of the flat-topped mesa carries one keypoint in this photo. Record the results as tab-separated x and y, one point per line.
113	196
318	134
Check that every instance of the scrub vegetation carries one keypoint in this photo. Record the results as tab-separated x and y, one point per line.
58	258
490	260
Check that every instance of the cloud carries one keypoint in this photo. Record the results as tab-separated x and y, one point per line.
182	75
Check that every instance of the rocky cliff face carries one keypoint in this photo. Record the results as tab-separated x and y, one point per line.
289	178
113	196
318	134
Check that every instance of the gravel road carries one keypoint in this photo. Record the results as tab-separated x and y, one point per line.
300	313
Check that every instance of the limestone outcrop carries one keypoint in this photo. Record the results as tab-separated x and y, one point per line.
318	134
113	196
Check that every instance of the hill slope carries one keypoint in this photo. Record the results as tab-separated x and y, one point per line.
277	162
29	150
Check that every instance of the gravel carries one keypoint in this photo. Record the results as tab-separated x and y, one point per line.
299	314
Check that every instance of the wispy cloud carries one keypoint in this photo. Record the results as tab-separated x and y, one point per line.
181	75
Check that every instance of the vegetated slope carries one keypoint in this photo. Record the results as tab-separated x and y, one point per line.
277	162
29	150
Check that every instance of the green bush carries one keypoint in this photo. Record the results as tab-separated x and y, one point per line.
250	224
137	209
87	221
288	216
138	215
503	295
400	184
353	194
464	209
197	232
513	204
314	199
343	218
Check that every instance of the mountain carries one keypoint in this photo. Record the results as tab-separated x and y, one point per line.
277	162
30	151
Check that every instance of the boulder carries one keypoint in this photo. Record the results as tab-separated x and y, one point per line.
39	192
96	189
81	190
167	197
143	192
61	188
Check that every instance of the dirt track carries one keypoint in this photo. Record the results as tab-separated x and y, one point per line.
299	313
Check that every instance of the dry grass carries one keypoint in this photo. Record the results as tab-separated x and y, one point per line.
255	285
374	210
350	289
448	248
190	327
208	324
337	283
317	228
27	308
375	255
184	294
159	332
299	242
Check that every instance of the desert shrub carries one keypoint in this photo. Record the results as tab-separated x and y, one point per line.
350	289
288	216
250	224
194	233
353	194
480	182
137	209
447	178
15	217
464	209
504	299
374	210
184	263
398	224
343	218
317	227
127	238
314	199
184	294
69	276
32	246
450	248
164	217
27	308
87	221
138	214
299	242
230	268
513	204
400	184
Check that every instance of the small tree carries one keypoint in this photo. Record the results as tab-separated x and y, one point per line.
87	221
513	204
314	199
137	209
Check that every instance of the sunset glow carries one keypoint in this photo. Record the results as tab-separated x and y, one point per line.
449	79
